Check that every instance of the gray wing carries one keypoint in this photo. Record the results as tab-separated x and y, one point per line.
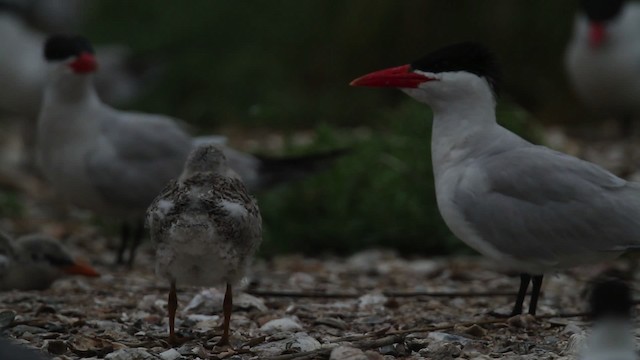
136	156
537	203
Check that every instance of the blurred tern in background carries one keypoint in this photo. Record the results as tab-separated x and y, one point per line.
602	59
612	333
526	206
34	262
23	74
206	228
114	162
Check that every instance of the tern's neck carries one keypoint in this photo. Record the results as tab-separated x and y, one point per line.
460	127
68	88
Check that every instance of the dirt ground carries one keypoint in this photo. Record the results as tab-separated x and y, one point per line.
372	305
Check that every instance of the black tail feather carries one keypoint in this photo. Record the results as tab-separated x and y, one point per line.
275	171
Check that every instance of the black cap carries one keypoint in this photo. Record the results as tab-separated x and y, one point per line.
611	298
467	56
602	10
61	47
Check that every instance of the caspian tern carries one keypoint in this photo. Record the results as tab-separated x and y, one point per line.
34	262
206	228
23	76
114	162
602	59
526	206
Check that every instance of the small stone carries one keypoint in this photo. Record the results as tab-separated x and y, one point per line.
171	354
474	330
416	343
130	354
347	353
450	338
332	322
299	342
575	344
441	351
522	321
55	347
371	301
288	324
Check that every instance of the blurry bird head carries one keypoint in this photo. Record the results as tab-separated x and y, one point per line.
599	12
610	298
205	158
450	73
48	255
75	52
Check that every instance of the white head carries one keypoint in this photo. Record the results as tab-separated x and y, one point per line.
75	53
72	61
456	73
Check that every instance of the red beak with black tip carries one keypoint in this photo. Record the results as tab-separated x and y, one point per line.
80	268
84	64
396	77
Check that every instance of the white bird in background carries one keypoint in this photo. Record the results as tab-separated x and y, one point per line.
23	75
602	58
34	262
525	206
206	228
115	162
612	335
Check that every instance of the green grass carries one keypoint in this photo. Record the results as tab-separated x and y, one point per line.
380	195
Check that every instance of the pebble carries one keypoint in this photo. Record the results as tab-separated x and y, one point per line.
171	354
371	301
55	347
299	342
347	353
287	324
130	354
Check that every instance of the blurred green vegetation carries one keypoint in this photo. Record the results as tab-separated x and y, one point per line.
381	195
286	65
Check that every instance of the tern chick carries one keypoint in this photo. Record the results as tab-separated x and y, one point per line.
206	228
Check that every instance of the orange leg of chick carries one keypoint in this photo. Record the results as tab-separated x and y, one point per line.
227	306
172	307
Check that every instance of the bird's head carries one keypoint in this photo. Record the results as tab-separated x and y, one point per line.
205	158
47	256
73	52
449	74
611	298
599	13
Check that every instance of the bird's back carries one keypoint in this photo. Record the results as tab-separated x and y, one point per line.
206	229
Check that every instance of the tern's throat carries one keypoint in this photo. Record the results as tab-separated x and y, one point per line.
460	128
69	88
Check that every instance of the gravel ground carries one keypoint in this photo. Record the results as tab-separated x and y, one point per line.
373	305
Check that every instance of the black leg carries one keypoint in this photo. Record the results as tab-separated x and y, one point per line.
535	293
524	285
138	234
125	233
172	306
